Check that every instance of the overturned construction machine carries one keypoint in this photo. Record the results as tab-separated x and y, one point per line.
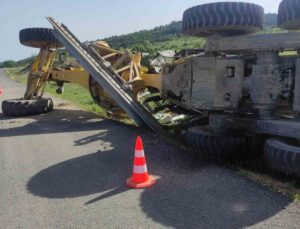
246	86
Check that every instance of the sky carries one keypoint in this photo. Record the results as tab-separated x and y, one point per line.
91	19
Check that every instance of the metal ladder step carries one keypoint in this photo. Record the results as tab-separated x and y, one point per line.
105	76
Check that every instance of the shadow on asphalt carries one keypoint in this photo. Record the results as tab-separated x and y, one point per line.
91	174
192	192
58	121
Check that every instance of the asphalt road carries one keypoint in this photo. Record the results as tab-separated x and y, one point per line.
67	169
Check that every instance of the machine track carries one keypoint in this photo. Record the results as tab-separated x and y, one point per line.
105	76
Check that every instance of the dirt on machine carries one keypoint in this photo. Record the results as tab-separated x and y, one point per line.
241	92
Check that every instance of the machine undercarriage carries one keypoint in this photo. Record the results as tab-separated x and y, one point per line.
246	87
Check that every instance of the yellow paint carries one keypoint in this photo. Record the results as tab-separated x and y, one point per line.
75	75
79	76
152	80
135	74
40	71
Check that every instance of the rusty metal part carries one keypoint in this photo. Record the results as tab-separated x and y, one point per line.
40	73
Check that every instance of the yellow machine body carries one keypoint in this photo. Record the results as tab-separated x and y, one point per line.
77	75
126	63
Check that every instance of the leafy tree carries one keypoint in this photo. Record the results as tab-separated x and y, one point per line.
148	47
167	33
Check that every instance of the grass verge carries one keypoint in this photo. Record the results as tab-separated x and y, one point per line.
288	186
297	198
17	74
73	93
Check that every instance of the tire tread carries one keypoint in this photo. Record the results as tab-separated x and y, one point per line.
38	37
21	107
289	14
282	156
203	20
216	146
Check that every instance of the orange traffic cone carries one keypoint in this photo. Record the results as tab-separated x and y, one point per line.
140	177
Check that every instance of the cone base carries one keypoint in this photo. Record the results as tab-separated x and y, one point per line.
149	183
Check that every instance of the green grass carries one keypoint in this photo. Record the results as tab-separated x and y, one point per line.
288	186
73	93
77	95
297	198
17	74
180	43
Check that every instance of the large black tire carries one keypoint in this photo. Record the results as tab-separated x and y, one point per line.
38	38
256	144
283	156
289	14
201	138
224	18
21	107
